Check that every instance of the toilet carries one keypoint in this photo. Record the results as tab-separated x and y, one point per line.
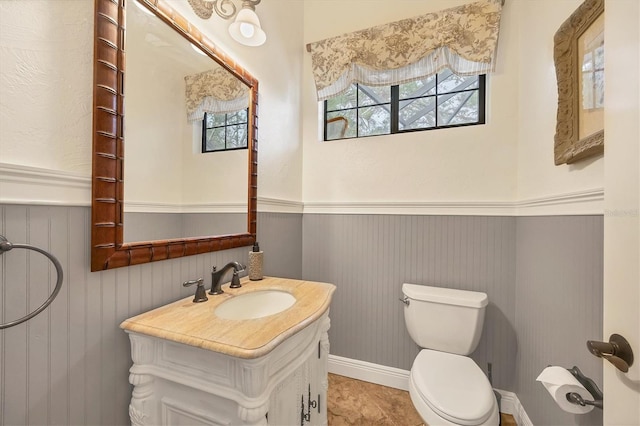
446	386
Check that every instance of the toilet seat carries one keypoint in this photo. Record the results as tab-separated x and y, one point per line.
453	386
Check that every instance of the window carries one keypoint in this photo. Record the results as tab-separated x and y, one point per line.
441	101
225	132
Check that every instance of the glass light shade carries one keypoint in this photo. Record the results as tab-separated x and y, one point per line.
246	28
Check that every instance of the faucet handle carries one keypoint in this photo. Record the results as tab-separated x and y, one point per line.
200	295
235	280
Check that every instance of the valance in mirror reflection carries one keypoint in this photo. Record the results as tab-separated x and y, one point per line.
214	91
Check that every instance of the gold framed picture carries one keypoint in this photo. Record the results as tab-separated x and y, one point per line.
579	62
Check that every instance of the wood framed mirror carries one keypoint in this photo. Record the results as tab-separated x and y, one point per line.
109	249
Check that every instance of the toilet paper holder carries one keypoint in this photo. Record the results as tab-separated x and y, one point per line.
589	385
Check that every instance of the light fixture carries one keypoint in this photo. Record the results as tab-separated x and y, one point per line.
246	27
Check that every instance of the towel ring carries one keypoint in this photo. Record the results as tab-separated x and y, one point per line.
6	246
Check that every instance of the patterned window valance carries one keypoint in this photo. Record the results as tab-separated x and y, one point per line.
462	38
214	91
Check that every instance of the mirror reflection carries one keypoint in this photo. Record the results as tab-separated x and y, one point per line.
186	175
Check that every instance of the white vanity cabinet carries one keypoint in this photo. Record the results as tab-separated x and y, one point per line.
186	383
300	399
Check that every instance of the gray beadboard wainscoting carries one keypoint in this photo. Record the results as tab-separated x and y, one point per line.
368	257
558	307
69	365
543	275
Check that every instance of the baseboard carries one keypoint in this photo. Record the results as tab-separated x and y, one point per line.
399	379
369	372
510	404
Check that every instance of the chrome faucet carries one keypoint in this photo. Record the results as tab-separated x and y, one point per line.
216	277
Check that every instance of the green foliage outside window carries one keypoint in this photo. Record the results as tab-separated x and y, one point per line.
443	100
225	132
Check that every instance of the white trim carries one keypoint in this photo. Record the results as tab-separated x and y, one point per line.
31	185
475	208
369	372
144	207
587	202
276	205
510	404
399	379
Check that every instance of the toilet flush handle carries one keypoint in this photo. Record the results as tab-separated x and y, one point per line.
405	300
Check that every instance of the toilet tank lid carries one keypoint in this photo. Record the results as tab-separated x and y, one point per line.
448	296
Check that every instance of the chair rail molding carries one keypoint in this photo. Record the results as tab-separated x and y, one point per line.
31	185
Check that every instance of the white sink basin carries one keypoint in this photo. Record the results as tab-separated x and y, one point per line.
253	305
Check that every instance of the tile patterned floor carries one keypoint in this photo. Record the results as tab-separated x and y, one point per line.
356	403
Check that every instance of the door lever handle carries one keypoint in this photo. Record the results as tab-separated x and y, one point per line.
617	351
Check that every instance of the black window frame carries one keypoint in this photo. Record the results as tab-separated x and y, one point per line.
225	126
395	110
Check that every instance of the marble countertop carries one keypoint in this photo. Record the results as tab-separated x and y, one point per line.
195	324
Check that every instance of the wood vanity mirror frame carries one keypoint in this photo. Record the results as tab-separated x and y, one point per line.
108	249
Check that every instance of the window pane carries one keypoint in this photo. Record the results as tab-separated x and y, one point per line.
237	117
443	100
374	121
417	114
458	109
237	136
344	101
449	82
373	95
214	120
341	125
418	88
215	139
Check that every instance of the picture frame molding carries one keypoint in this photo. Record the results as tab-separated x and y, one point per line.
568	146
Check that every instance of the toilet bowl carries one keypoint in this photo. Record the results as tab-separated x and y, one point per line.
449	389
446	386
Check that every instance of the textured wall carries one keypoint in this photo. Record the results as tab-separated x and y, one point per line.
69	365
45	83
558	305
368	257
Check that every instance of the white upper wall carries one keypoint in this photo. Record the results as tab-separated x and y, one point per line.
477	163
46	74
46	85
507	162
46	89
538	20
156	127
278	67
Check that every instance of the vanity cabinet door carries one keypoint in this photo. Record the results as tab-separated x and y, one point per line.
285	404
301	398
319	383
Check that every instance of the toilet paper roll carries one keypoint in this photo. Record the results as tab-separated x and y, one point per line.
559	382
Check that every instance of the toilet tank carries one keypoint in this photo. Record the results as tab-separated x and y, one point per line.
444	319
